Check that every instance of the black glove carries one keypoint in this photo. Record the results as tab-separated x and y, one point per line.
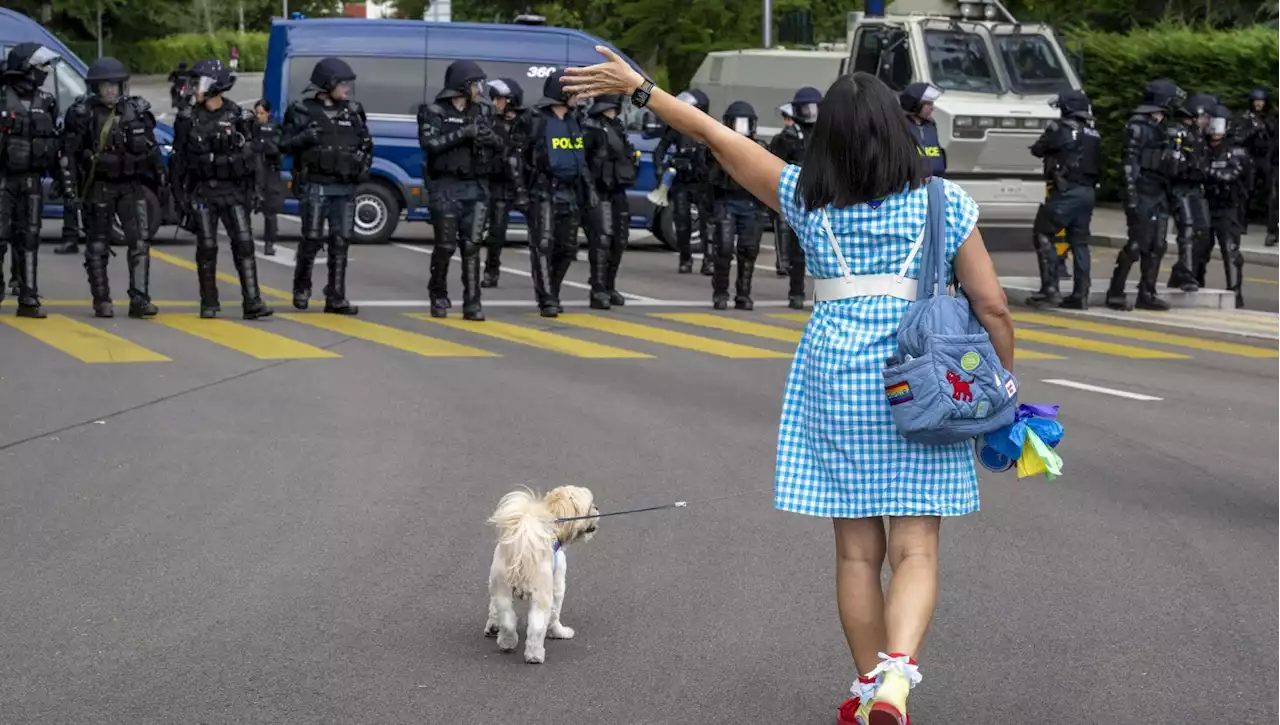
256	204
487	136
521	202
311	134
165	196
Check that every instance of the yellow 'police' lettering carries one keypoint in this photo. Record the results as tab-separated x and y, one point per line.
931	151
566	143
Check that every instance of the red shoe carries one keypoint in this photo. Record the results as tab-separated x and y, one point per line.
848	713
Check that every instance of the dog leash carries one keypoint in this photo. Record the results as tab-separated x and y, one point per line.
673	505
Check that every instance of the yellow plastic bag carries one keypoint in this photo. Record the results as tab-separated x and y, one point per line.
1037	457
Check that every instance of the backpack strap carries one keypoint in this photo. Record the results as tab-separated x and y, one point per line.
877	285
933	260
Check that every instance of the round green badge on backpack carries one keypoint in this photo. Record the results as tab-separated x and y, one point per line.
969	361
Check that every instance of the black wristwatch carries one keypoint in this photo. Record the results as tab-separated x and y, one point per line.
640	96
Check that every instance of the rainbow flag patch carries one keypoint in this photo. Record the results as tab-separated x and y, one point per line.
898	393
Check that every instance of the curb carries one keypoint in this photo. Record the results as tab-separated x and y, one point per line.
1261	256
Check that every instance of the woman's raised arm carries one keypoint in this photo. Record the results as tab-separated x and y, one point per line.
746	161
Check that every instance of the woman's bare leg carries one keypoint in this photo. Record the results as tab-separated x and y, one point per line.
913	591
860	552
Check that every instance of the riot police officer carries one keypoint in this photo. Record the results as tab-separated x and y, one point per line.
328	137
458	140
1186	187
689	191
917	101
789	145
1148	162
1223	189
215	170
1072	151
561	190
614	164
738	216
270	187
504	171
29	147
178	79
1252	133
111	147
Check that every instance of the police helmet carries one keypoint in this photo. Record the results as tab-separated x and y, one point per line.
741	117
804	104
914	97
604	103
30	61
787	111
507	88
553	93
107	79
329	72
212	78
1073	103
1259	94
1162	95
696	98
1201	104
461	79
1219	120
182	65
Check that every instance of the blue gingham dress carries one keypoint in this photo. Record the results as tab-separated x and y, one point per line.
839	454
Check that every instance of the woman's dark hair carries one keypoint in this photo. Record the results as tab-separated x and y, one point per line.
264	104
861	147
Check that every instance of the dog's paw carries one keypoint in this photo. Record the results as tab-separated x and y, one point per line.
491	630
508	643
559	631
535	656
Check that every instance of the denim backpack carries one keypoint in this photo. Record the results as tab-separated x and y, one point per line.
946	384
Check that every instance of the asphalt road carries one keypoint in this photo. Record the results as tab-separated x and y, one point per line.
250	532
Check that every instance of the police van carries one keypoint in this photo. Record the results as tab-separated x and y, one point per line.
66	83
400	65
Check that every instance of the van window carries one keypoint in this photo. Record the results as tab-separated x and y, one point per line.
397	86
69	86
882	51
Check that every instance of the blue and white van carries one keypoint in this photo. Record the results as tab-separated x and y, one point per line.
67	84
400	64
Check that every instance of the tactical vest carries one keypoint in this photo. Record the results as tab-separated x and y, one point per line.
126	147
1080	160
688	158
1154	151
340	154
621	160
28	133
724	186
566	148
217	146
496	163
268	138
1226	159
789	145
929	146
1187	149
464	161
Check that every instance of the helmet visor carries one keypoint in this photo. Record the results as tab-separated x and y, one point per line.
786	110
687	97
807	112
205	86
42	57
500	88
742	125
930	94
1217	126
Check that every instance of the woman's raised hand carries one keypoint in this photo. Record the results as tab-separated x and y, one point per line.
614	75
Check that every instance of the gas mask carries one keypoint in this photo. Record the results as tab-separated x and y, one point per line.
742	126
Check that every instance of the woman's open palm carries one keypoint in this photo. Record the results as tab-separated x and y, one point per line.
614	75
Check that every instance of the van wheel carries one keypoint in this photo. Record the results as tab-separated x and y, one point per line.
377	213
153	219
664	228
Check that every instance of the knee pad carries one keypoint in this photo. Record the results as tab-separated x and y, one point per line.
206	252
446	233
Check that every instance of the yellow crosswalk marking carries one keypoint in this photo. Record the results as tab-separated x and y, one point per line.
1162	338
249	340
1218	318
228	278
1098	346
534	338
793	316
389	336
83	342
1024	354
729	324
668	337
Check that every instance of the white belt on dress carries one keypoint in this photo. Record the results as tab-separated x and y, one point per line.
864	285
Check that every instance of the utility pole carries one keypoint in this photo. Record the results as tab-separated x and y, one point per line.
768	23
284	9
99	28
242	17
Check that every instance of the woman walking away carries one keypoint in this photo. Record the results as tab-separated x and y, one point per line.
839	454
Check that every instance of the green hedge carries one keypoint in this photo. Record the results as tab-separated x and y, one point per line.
1227	63
161	55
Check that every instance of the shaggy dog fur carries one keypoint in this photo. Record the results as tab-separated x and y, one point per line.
527	565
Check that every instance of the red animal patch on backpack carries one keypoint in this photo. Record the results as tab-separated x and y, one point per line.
960	387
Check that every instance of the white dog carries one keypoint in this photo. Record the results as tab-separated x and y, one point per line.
529	563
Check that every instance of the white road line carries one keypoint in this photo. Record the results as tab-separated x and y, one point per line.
1099	389
284	256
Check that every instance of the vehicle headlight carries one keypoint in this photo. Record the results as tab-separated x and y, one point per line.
964	122
1008	123
986	122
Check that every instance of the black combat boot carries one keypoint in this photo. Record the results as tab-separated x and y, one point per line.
254	307
335	293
